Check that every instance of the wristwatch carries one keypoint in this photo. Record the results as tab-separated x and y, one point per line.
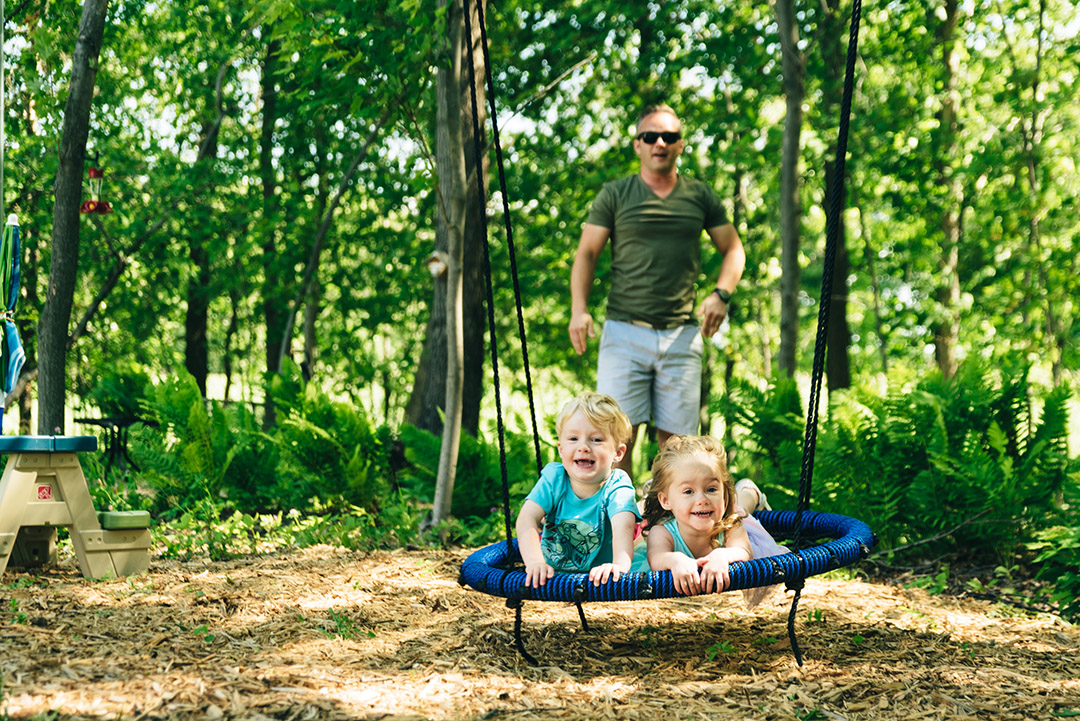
724	295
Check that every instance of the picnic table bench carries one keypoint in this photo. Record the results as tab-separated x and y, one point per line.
42	489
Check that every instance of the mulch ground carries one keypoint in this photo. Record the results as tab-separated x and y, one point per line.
326	633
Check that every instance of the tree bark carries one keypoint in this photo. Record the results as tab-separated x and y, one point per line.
947	326
63	267
274	311
837	361
450	157
199	291
790	208
196	316
426	403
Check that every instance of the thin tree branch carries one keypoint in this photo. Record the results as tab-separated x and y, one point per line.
938	536
324	227
548	88
122	261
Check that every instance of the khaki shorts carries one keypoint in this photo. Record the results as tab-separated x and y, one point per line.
653	374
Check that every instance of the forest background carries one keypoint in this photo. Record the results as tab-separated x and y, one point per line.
290	179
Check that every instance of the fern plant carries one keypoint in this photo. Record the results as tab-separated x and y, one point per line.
189	446
478	478
328	448
965	458
768	437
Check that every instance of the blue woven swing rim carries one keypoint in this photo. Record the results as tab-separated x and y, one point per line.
485	569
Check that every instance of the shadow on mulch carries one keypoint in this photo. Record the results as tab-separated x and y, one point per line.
325	633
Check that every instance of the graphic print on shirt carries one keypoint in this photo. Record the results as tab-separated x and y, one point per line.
571	545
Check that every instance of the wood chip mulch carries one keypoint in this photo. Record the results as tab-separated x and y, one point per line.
325	633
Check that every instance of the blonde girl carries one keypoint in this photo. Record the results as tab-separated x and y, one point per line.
695	527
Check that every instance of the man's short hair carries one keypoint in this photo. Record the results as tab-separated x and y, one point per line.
658	108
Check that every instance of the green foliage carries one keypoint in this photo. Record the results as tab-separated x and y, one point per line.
478	482
119	388
206	527
116	489
329	449
723	647
966	459
934	585
344	627
187	457
17	616
1058	549
771	422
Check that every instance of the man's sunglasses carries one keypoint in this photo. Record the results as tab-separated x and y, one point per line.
649	137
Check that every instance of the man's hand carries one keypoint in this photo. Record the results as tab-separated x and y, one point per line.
712	312
581	329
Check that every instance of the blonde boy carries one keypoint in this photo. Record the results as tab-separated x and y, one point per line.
585	507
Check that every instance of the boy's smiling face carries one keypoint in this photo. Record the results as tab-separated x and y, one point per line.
587	454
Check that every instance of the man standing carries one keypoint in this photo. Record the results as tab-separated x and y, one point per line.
650	349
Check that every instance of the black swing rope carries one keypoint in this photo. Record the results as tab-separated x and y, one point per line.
478	151
485	569
832	233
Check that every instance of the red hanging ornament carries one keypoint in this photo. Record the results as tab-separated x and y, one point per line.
96	204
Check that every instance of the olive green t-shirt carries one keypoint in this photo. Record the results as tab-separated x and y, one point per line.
655	247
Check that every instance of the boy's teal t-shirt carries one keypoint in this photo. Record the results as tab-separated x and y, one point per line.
577	531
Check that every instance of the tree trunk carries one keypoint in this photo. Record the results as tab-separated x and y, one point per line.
947	327
56	313
423	407
426	403
790	208
273	299
199	291
196	349
450	157
837	360
230	334
474	286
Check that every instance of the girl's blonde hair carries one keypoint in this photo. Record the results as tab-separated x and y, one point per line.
677	449
600	410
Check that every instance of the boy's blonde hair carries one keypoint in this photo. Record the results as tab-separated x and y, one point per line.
602	411
709	451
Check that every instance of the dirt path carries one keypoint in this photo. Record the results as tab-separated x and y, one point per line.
324	633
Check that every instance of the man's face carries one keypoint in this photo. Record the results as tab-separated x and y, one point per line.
660	156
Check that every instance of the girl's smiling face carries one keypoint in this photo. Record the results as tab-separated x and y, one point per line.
695	496
587	454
